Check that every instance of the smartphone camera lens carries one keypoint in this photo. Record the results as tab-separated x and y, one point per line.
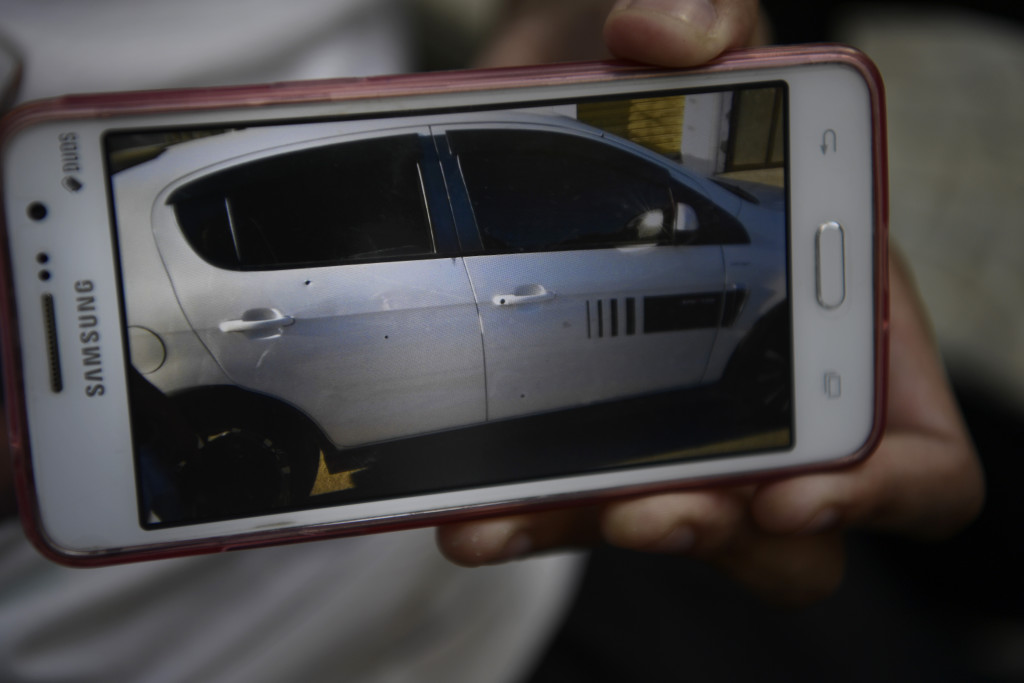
44	275
37	211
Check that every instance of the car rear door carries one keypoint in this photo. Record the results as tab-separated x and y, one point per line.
585	292
321	277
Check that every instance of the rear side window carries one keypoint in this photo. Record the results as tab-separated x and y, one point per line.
354	201
535	190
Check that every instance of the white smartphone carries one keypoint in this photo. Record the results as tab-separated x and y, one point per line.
244	316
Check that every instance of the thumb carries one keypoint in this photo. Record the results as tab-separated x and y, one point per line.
679	32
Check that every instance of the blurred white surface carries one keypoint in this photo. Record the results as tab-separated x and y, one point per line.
69	47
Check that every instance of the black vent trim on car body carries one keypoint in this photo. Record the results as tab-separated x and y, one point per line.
665	313
675	312
621	317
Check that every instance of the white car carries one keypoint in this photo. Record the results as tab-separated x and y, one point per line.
369	281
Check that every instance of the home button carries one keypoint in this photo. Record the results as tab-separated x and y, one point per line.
833	384
831	266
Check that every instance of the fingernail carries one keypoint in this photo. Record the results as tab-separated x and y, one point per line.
678	541
823	521
701	14
519	545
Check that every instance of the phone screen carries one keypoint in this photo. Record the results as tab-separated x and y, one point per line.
329	312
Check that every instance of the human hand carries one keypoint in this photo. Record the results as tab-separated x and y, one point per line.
666	32
783	539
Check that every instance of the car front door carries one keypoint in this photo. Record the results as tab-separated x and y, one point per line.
321	277
589	287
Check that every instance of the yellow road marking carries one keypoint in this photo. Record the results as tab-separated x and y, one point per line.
330	483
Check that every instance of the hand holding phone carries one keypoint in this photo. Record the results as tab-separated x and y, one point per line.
783	538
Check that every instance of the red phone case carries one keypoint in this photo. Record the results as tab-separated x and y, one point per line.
349	89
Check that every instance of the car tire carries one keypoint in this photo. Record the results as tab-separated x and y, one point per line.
759	376
254	455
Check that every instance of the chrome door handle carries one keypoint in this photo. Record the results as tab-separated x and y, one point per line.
524	294
257	320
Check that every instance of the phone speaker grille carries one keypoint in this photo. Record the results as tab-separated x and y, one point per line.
53	353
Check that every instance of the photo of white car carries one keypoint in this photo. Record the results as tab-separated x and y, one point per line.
336	284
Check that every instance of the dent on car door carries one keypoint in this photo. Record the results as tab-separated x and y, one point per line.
586	293
321	277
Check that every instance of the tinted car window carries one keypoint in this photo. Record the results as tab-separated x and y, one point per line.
535	190
353	201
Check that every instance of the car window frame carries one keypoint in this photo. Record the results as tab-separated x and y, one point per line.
438	216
